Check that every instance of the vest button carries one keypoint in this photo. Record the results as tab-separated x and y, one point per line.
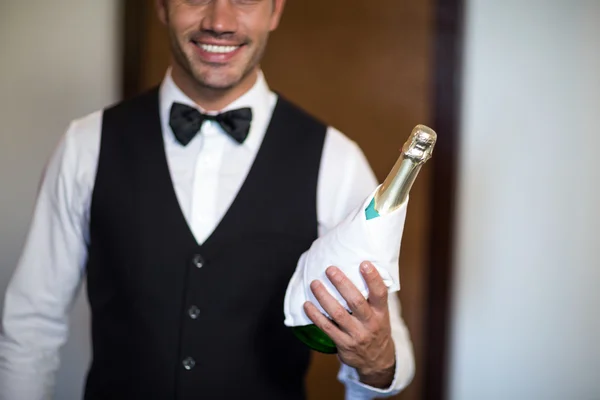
198	261
194	312
189	363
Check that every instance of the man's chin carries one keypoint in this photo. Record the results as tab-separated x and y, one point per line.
218	81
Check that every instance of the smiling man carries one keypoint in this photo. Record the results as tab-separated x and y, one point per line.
188	208
216	46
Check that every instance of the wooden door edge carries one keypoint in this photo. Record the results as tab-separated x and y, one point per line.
446	72
133	19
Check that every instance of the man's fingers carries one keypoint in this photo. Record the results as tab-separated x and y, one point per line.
335	310
325	324
357	303
378	292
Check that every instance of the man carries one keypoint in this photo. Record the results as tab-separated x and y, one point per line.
188	208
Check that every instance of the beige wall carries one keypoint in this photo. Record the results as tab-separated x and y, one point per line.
59	61
526	318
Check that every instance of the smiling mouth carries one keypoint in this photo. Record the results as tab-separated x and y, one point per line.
216	49
211	48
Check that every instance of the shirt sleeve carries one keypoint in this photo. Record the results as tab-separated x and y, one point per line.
44	285
345	180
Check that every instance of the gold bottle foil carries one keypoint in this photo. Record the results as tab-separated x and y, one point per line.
417	150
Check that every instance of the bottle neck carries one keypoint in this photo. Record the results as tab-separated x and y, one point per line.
396	187
415	152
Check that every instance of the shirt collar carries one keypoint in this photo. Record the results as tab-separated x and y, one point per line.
258	98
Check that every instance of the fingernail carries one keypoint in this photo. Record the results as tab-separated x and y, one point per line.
367	267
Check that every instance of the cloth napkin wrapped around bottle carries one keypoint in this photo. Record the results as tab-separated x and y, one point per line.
359	237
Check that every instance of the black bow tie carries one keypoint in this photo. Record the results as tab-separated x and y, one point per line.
186	121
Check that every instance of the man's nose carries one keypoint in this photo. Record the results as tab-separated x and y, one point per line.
220	17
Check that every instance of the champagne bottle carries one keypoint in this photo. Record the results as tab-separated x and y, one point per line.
390	196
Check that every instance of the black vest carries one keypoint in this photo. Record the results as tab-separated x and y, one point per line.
175	320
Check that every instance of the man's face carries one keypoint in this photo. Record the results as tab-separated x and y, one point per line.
218	43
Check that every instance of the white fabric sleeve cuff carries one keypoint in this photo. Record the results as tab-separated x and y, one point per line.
356	390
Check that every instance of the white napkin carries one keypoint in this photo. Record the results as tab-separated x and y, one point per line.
351	242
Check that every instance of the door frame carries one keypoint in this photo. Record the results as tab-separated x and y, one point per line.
446	72
447	75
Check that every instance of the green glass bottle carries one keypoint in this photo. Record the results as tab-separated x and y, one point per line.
394	191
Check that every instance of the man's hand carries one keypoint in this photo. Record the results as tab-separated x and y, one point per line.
363	337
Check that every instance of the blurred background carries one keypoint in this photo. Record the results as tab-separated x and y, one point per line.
500	265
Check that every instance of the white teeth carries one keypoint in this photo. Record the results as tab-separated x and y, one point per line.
211	48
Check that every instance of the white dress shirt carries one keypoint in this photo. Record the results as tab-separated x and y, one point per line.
207	174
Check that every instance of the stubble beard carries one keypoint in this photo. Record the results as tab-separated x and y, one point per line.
211	78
